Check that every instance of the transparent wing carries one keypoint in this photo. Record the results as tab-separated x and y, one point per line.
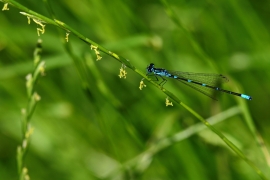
204	90
210	79
204	78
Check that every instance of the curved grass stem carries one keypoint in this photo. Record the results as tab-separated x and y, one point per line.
33	98
128	64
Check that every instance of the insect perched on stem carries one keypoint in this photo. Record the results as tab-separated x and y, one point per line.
202	82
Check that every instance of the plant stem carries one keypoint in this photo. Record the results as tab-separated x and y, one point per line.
128	64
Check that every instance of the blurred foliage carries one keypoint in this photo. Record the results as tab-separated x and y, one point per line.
98	133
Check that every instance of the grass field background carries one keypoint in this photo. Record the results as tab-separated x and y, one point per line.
113	130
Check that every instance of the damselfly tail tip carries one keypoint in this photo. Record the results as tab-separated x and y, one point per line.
246	96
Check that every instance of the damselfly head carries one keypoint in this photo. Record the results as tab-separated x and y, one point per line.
150	68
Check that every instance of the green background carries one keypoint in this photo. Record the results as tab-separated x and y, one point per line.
89	135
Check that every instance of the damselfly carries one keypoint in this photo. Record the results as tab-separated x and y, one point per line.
203	82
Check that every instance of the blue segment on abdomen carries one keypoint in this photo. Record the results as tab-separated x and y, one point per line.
246	97
203	84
